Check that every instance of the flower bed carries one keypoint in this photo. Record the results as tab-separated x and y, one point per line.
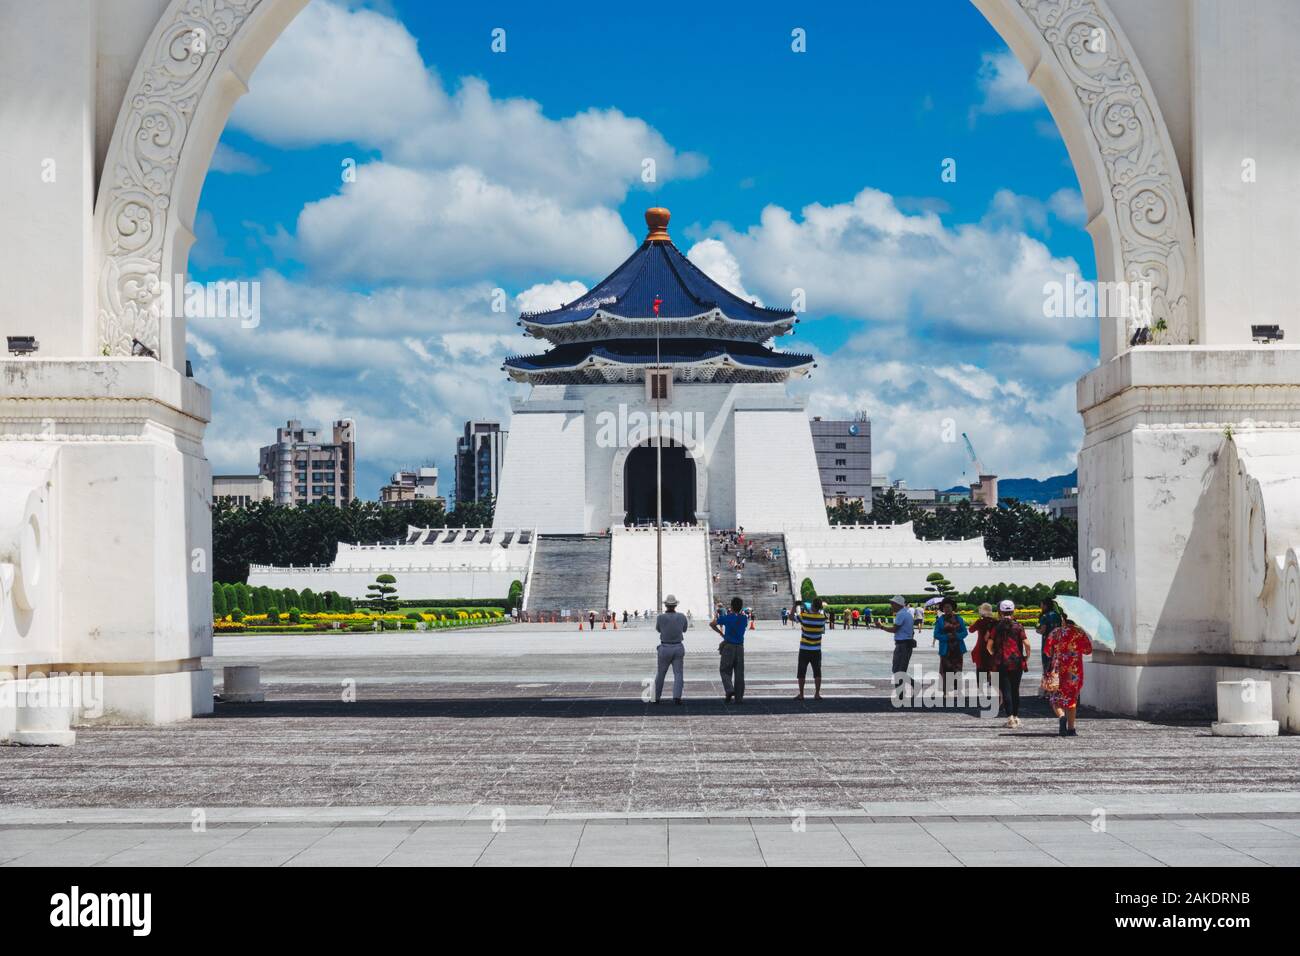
358	621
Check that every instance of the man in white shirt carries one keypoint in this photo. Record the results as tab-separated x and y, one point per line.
904	630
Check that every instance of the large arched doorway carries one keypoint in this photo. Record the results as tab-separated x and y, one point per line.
678	479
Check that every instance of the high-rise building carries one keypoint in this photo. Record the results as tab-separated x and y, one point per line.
843	450
479	454
305	466
419	484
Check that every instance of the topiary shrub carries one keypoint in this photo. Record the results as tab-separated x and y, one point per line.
806	590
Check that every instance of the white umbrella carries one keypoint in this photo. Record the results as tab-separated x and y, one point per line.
933	601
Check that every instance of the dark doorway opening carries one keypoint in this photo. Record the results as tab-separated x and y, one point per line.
678	484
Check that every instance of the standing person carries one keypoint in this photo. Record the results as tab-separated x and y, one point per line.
671	652
812	626
950	633
918	618
855	617
984	663
903	629
1009	647
785	617
1065	649
731	628
591	620
830	618
866	616
1049	619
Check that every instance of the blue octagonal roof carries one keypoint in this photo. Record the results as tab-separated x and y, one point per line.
658	270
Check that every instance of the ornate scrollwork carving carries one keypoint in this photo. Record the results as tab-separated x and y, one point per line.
1150	207
140	172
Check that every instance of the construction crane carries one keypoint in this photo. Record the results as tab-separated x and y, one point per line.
970	450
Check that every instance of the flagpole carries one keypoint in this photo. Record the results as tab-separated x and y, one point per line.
659	477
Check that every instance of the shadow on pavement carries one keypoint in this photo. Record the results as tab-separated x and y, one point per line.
757	708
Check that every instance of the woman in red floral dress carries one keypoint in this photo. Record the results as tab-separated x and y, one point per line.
1066	646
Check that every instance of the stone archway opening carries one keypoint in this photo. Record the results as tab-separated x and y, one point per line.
199	59
678	485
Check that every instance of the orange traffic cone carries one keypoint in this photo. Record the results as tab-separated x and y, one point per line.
580	624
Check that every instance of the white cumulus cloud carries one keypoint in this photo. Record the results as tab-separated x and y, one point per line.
1004	86
395	223
866	259
716	261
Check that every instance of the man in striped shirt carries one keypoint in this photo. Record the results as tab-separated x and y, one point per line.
812	625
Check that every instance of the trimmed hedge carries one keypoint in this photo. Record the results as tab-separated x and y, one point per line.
501	603
1022	594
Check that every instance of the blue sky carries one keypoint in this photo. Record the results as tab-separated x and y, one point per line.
523	171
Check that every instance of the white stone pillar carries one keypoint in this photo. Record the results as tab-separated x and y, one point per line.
1155	513
130	517
1245	709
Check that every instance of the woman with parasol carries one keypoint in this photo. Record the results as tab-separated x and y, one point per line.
1066	646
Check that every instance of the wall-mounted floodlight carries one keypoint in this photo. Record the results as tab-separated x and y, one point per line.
22	344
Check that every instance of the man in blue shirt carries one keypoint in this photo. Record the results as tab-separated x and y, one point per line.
731	628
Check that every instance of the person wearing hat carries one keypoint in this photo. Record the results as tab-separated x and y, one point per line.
1008	646
671	651
904	630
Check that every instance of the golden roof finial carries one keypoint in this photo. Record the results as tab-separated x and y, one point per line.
656	218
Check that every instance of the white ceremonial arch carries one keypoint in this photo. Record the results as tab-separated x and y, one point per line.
1189	468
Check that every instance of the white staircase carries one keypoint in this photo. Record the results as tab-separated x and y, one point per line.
686	569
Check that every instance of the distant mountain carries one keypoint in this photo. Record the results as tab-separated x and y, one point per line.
1033	489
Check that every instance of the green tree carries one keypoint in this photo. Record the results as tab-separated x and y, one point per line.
939	585
893	507
516	593
806	590
219	609
852	512
472	514
384	592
